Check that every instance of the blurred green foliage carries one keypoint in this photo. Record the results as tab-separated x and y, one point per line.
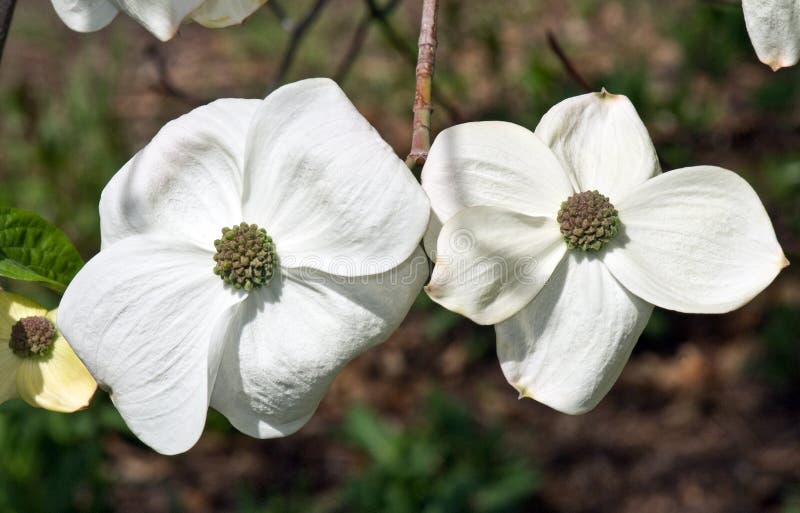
711	38
791	502
782	177
442	325
52	462
60	149
446	464
779	364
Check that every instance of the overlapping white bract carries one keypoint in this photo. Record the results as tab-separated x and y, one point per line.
161	17
169	338
693	240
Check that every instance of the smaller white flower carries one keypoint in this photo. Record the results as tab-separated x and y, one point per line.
161	17
249	251
36	364
774	28
564	239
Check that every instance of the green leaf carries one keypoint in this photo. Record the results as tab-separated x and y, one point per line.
31	249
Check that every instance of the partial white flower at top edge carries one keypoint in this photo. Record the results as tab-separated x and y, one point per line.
774	28
565	238
249	251
161	17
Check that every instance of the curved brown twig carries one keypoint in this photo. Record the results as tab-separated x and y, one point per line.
570	68
295	39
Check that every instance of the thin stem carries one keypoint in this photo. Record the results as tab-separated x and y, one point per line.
421	133
360	35
165	84
295	39
570	68
6	13
398	42
280	13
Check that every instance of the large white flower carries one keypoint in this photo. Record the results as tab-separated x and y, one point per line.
774	28
185	307
568	274
161	17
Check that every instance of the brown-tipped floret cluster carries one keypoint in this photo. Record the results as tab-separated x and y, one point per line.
588	221
32	336
245	256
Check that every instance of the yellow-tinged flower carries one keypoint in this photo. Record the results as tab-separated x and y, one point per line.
37	364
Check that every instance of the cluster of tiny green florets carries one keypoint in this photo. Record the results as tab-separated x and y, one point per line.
32	336
245	256
588	221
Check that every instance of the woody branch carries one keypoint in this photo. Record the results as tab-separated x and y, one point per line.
421	136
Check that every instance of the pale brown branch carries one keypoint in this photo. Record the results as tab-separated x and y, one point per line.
426	60
408	53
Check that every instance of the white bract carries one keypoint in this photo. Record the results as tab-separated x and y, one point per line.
774	28
161	17
341	267
693	240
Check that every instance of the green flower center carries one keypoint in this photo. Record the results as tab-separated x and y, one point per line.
245	256
588	221
32	336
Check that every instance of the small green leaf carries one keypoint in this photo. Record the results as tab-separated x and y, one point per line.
31	249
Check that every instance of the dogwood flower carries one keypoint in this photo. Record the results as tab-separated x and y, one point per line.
249	251
161	17
774	28
565	238
36	363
